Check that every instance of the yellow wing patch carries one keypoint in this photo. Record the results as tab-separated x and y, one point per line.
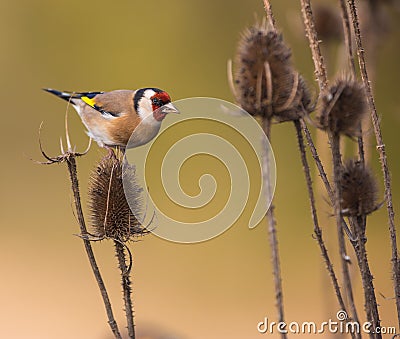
89	101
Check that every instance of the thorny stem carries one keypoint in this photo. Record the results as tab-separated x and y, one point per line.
352	67
273	239
268	11
317	160
382	155
317	229
322	172
311	33
371	305
347	35
360	142
126	287
71	162
334	140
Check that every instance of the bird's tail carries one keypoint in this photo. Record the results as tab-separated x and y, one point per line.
63	95
69	96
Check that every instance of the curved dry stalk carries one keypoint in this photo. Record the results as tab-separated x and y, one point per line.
292	95
108	200
259	86
268	79
230	79
382	155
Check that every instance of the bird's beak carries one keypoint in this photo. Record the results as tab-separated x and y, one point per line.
169	108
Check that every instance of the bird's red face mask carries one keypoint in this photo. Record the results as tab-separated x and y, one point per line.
161	104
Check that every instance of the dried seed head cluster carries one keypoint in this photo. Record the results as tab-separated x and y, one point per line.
110	213
328	23
343	107
265	83
359	190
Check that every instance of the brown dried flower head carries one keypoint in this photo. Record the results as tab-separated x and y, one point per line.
265	83
111	216
343	107
359	189
328	23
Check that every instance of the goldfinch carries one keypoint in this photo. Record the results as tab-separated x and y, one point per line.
112	117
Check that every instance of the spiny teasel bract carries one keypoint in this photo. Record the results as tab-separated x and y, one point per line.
265	83
111	216
359	189
343	106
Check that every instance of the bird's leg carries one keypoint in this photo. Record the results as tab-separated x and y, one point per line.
111	153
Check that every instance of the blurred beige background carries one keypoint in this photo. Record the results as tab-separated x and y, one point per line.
217	289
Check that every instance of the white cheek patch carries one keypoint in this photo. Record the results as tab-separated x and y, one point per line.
145	110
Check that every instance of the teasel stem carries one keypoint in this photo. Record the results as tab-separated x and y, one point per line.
382	155
334	139
311	33
317	160
317	229
347	36
268	11
72	168
321	171
272	232
126	287
371	305
352	67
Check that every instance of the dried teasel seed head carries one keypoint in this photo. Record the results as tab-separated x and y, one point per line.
111	215
359	189
298	101
328	23
343	106
265	83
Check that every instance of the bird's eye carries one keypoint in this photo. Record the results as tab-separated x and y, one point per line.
156	102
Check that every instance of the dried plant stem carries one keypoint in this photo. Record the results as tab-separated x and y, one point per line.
317	160
382	155
268	11
347	35
322	172
317	229
126	287
360	142
371	306
352	67
334	140
311	34
273	239
71	162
